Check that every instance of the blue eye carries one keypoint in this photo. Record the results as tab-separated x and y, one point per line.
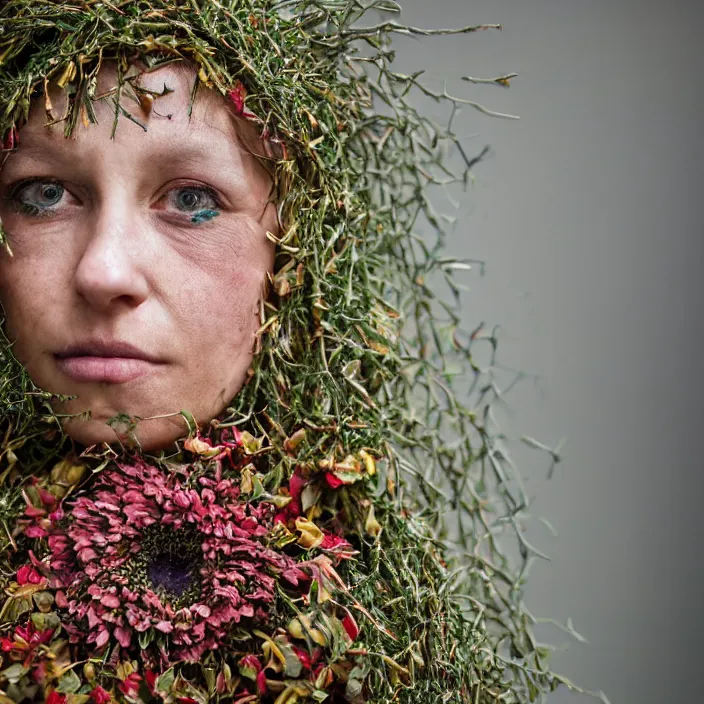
192	198
36	197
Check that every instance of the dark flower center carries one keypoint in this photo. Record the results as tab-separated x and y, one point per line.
168	563
170	572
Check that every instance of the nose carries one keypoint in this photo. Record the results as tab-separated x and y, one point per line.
111	270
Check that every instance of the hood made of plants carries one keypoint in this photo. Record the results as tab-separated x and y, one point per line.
359	461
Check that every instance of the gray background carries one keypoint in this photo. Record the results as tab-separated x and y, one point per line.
588	213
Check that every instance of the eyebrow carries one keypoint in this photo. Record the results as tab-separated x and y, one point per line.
185	148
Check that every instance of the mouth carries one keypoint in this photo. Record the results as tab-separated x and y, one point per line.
106	362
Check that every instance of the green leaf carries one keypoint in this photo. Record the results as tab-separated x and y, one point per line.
69	683
14	608
145	638
43	621
355	682
190	421
258	487
292	665
165	681
310	496
14	673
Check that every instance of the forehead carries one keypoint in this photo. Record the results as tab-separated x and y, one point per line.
173	115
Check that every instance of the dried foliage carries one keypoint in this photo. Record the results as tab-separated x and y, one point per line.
391	487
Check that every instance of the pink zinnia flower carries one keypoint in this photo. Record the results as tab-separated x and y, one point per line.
164	559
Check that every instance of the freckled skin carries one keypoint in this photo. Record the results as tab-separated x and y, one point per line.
121	259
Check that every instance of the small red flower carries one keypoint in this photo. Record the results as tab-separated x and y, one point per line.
151	677
39	519
12	138
338	547
28	575
100	696
293	509
296	485
237	96
131	684
203	446
350	626
24	643
261	682
333	481
249	666
56	698
303	656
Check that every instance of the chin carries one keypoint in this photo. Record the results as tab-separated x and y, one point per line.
161	425
149	435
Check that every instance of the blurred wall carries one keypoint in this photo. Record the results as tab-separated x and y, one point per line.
588	213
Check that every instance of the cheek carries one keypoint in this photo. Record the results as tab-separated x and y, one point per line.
221	335
220	297
235	300
30	309
230	266
26	297
39	270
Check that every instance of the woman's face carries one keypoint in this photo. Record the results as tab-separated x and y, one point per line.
138	263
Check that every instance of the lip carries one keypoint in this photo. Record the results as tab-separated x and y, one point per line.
106	362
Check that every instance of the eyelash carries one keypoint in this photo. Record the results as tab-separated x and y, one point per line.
26	208
36	211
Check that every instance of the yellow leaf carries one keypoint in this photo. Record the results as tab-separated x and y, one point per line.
282	286
300	628
325	678
198	446
349	464
269	647
311	118
371	525
314	512
291	443
72	698
125	669
280	500
250	443
288	696
68	75
369	462
246	482
29	589
311	536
